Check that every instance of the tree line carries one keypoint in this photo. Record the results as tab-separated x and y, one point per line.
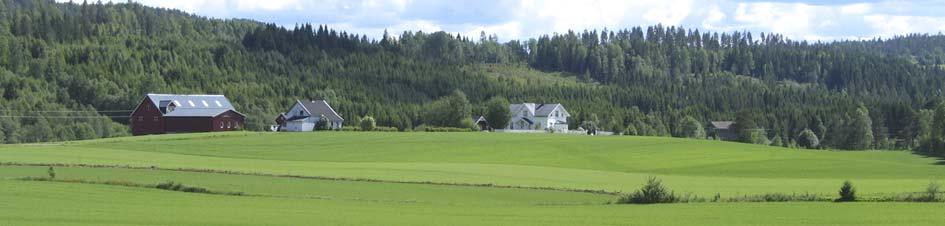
652	81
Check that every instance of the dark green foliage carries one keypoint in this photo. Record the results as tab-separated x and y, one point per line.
691	128
776	197
745	126
860	130
931	191
367	123
322	124
443	129
847	192
808	139
51	172
173	186
449	111
651	192
97	57
497	112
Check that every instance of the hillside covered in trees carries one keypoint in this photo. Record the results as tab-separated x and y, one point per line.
74	71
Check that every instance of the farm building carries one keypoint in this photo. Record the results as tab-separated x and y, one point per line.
531	116
723	130
481	122
170	113
305	115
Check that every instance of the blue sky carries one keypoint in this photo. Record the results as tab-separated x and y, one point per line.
523	19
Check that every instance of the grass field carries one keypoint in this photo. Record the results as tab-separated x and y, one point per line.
416	170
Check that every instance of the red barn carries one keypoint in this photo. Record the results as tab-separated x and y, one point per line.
167	113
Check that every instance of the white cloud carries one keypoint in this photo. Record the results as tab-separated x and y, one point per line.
269	5
523	19
858	8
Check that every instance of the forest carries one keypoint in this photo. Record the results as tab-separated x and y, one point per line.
75	70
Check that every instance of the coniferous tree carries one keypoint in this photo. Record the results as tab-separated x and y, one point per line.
860	130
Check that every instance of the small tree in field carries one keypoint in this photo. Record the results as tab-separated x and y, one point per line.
651	192
847	192
368	123
808	139
52	173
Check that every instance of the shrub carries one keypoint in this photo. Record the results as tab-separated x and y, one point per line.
322	124
847	192
931	191
368	123
775	197
173	186
808	139
52	173
350	128
651	192
446	129
386	129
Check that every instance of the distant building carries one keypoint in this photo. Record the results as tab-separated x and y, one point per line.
723	130
531	116
304	116
171	113
481	122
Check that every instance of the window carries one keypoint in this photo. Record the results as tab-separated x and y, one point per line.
301	112
229	125
191	103
155	119
221	125
218	103
205	103
140	118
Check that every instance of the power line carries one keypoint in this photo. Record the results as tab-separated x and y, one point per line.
66	117
69	111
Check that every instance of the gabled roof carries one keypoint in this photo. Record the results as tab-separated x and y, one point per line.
722	124
192	105
546	109
478	118
515	108
321	107
540	110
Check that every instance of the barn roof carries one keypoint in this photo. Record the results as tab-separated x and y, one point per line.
193	105
321	107
722	124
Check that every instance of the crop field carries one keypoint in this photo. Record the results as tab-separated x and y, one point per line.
357	178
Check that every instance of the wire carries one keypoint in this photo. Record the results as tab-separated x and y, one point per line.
70	111
69	117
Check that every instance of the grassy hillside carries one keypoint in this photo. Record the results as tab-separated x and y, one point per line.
358	178
609	163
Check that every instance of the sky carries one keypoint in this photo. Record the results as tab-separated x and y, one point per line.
813	20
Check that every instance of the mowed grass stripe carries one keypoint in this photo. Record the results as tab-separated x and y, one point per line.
44	203
320	189
604	153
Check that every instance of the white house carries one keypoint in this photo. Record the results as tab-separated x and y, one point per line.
531	116
304	115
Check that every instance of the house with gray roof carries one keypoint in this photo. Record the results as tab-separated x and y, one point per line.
175	113
305	115
723	130
531	116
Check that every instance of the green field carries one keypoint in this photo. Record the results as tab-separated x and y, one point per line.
420	179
